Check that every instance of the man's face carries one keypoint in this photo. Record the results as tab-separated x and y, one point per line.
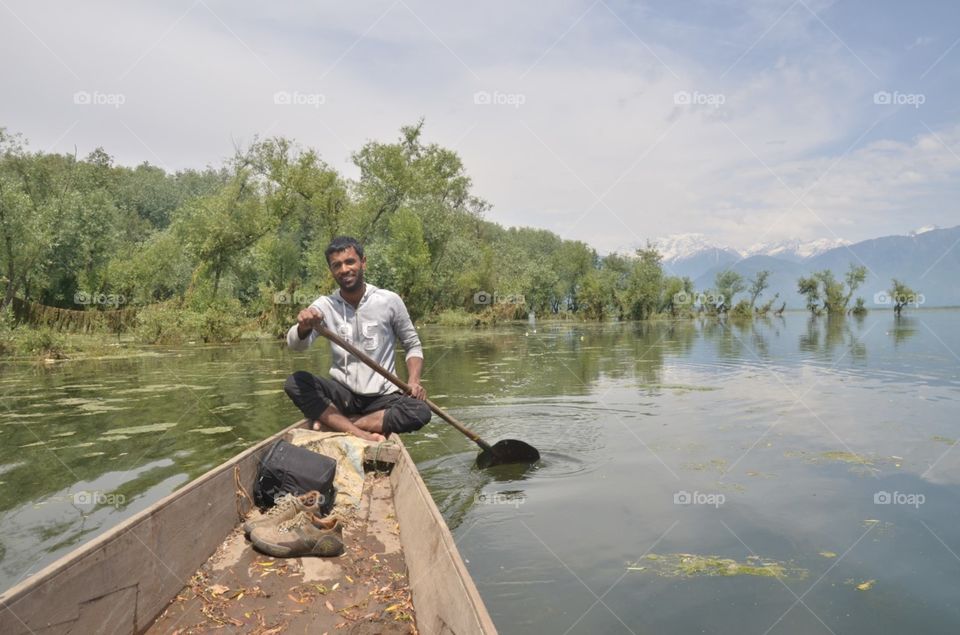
347	269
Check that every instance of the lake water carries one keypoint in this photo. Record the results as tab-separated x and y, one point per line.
786	476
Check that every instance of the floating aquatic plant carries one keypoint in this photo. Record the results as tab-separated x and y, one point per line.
676	565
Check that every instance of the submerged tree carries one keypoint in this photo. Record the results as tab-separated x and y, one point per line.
824	293
901	295
758	284
728	284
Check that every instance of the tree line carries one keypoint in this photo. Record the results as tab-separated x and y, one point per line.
201	253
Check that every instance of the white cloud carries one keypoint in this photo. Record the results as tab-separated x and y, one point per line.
598	115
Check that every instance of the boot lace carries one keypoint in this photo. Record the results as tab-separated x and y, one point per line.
283	504
296	521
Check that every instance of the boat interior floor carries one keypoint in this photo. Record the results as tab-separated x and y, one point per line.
365	590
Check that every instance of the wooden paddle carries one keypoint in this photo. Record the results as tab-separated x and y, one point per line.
505	451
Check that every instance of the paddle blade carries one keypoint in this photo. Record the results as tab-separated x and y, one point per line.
508	451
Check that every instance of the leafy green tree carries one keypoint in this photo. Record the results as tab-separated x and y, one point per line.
758	284
834	293
595	293
571	262
218	229
859	308
728	283
403	263
156	270
36	191
823	287
430	181
678	296
742	310
540	293
149	193
644	284
854	278
809	288
901	295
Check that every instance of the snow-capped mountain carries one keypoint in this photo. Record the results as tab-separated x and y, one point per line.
691	254
794	249
927	260
924	230
681	246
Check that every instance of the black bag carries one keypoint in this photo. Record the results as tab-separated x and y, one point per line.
287	468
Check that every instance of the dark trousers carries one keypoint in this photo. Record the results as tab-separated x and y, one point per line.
312	395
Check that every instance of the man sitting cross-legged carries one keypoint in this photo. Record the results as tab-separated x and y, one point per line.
355	398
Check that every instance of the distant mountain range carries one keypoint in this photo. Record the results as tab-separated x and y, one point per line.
928	260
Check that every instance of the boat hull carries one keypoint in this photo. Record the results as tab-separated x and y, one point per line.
121	581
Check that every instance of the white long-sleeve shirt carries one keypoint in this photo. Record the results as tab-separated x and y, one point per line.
374	326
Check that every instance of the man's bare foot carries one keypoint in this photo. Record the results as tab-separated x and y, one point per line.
363	434
331	419
376	437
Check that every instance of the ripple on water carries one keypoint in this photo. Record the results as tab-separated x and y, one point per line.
551	465
448	471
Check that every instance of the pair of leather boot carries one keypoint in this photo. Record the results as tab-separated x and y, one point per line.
292	528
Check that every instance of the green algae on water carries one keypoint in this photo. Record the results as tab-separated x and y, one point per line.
720	465
150	427
847	457
231	406
866	585
882	528
679	387
863	464
688	565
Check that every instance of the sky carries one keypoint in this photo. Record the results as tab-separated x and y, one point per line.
604	121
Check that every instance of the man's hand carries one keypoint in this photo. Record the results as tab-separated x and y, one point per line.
417	391
307	320
414	369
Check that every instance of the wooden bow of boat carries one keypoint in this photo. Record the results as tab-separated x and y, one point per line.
123	580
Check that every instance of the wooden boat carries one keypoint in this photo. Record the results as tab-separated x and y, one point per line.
130	579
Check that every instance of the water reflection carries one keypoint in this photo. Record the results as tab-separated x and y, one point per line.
625	416
824	337
903	329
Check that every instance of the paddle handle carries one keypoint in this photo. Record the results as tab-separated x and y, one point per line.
366	359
